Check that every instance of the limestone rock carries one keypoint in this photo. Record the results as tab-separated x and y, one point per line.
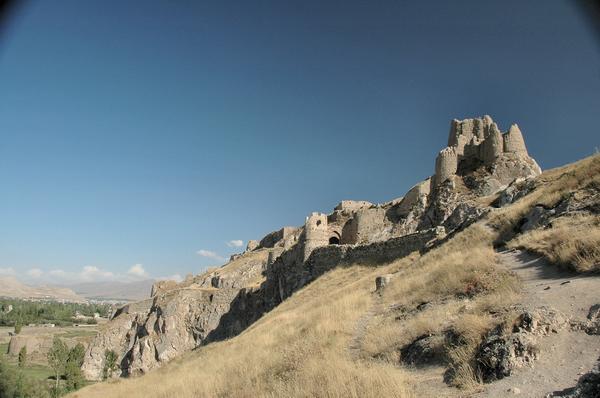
115	336
537	217
463	215
515	191
500	354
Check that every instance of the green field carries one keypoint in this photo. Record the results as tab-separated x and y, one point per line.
34	370
81	332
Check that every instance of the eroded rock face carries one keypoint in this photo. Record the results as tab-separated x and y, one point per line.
177	319
117	336
177	322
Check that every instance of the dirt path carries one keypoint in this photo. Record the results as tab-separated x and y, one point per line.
360	329
566	355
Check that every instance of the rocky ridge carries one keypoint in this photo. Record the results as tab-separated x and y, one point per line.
479	161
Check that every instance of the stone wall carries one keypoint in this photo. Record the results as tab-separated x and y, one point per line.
291	275
353	205
277	237
365	225
316	233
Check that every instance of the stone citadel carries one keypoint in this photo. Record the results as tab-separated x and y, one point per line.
479	161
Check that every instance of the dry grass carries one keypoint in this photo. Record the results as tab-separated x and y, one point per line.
573	242
463	288
299	349
552	186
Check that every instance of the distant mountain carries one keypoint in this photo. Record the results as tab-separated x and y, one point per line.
126	291
11	287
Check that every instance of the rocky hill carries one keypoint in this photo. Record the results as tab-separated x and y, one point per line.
404	298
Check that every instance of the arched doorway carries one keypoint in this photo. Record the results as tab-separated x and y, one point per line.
334	240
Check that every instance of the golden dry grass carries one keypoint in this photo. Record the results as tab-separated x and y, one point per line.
573	242
463	285
551	187
301	348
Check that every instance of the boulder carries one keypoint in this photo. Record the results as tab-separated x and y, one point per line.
424	350
515	191
537	217
252	245
500	353
498	356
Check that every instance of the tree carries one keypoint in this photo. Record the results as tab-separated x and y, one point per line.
18	327
110	363
22	356
57	358
75	379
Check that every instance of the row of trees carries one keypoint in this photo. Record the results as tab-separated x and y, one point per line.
24	312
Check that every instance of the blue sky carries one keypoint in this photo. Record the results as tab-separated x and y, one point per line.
134	138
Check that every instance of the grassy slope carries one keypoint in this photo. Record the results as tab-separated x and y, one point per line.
301	348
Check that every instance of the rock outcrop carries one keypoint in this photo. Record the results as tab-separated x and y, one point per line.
501	353
478	161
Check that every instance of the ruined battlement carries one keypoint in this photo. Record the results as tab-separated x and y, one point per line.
478	141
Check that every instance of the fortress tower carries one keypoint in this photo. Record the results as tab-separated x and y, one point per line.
492	146
446	164
315	233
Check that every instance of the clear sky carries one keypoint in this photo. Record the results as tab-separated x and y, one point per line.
154	133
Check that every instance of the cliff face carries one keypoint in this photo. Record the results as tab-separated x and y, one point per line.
479	161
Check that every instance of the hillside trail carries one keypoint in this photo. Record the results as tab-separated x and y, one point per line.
361	326
566	355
